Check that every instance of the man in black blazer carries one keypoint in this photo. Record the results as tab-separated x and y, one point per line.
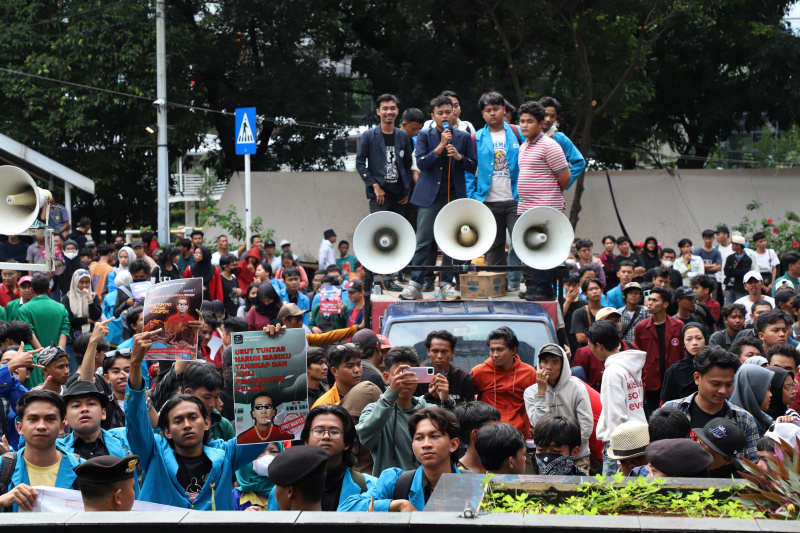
443	156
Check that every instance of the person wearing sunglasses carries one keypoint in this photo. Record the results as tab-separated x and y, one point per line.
263	411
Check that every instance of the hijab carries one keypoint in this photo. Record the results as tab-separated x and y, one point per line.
266	290
749	389
123	282
203	269
776	406
77	299
131	258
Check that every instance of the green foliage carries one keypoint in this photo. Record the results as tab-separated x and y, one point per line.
233	224
774	492
782	236
637	496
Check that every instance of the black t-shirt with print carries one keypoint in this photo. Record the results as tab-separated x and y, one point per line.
192	473
700	418
393	183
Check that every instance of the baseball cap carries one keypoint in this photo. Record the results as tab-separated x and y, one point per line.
354	286
24	279
781	283
684	292
738	239
723	436
290	310
269	242
137	243
284	242
606	312
753	274
384	342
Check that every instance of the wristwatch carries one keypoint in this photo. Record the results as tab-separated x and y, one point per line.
449	403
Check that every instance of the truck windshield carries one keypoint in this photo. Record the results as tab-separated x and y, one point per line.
471	348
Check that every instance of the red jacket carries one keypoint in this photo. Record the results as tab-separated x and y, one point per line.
504	390
214	286
6	295
243	275
595	446
646	339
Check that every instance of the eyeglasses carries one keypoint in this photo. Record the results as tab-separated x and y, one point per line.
183	304
334	434
347	345
790	387
11	275
260	407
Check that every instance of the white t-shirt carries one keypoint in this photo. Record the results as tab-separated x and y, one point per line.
216	255
767	260
501	177
745	301
724	251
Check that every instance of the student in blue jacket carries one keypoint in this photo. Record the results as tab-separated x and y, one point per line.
331	428
40	462
434	433
182	468
552	109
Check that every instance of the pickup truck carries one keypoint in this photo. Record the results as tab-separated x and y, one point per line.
471	321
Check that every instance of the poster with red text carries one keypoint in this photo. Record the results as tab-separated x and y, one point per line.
171	306
270	391
329	299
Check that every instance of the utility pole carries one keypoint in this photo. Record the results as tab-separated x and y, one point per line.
161	106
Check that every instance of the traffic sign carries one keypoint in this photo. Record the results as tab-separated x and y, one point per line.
245	130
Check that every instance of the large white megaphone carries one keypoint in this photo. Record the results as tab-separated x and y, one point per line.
542	238
20	200
384	242
465	229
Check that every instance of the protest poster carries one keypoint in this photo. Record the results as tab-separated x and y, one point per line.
330	296
56	500
170	306
139	289
270	391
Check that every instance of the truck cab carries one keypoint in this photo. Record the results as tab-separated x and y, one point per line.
471	321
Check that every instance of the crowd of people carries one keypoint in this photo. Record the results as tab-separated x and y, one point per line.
668	364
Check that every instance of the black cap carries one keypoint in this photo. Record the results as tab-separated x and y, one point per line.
297	463
107	469
678	457
329	233
723	436
684	292
82	388
269	242
354	286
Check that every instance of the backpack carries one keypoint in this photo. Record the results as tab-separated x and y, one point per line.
403	486
513	127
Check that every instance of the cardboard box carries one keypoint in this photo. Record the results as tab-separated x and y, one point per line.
483	285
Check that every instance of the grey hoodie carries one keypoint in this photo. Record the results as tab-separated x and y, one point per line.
568	398
621	392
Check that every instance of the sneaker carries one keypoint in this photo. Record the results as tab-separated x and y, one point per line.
411	293
513	288
427	286
450	293
394	287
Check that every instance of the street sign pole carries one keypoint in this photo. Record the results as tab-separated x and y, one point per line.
246	145
247	202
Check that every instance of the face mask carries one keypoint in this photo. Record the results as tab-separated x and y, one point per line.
234	270
118	245
70	255
666	263
553	464
261	465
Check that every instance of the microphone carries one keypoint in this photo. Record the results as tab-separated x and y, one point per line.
446	126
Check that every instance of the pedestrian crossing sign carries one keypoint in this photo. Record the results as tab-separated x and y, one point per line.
245	130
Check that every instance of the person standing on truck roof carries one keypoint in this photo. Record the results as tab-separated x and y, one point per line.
495	181
501	380
441	346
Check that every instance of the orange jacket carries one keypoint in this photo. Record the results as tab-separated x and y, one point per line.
504	390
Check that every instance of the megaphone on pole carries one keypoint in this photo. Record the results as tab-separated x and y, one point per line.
384	242
20	200
542	238
465	229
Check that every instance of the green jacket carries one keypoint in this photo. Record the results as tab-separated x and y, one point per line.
47	317
12	309
221	428
339	321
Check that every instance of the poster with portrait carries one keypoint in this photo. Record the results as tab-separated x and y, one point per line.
330	296
270	390
171	306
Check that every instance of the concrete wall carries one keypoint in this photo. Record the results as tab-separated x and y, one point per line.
299	206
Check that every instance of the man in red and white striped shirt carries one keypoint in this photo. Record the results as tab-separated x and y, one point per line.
543	176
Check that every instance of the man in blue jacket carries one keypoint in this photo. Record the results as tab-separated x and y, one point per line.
495	182
444	155
384	163
40	462
552	109
434	433
182	468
